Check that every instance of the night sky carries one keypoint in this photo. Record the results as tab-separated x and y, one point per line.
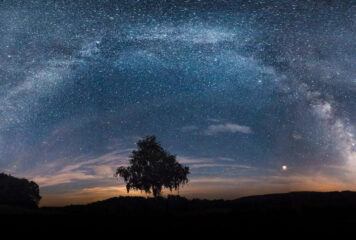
254	96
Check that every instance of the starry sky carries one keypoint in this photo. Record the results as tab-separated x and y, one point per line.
254	96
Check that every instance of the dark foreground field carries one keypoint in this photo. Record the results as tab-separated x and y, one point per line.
295	214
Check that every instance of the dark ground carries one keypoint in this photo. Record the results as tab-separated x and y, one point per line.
296	214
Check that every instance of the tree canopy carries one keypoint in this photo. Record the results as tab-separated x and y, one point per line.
152	168
19	192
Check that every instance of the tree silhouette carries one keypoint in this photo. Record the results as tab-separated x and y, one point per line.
151	168
19	192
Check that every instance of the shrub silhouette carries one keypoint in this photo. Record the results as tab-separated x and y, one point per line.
151	168
18	192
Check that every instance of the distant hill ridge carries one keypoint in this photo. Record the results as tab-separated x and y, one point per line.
299	199
292	201
308	197
279	201
294	212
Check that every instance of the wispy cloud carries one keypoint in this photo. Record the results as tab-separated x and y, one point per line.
61	178
193	160
226	166
97	168
210	188
227	128
214	165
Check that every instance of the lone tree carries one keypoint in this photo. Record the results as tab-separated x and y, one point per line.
18	192
151	168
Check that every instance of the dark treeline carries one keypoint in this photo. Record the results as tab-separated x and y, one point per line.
18	192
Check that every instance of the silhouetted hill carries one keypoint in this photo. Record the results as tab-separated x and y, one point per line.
296	212
297	200
294	201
